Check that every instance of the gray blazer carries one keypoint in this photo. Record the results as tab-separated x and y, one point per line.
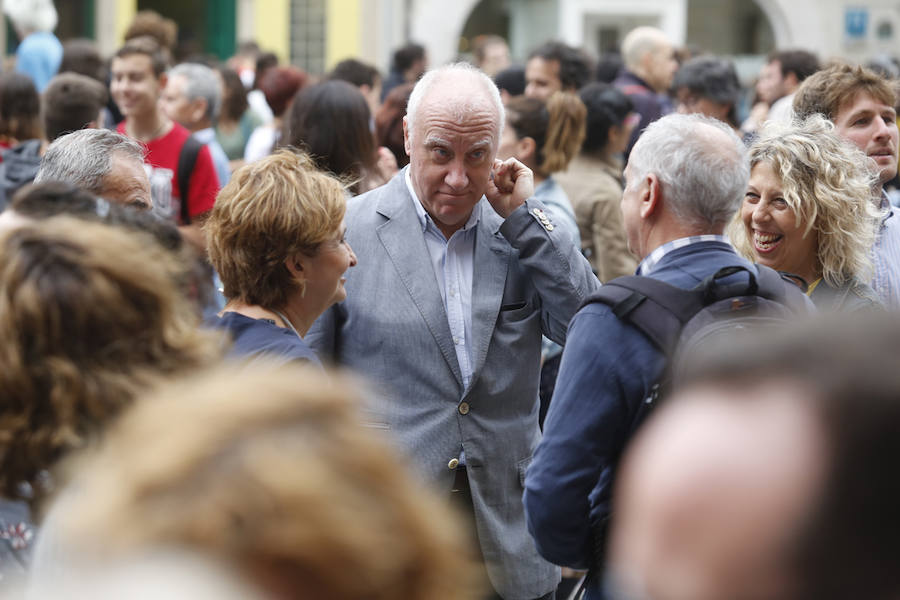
528	279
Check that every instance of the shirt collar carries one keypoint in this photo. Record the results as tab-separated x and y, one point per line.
205	136
651	260
425	218
886	207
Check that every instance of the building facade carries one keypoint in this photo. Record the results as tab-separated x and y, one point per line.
315	34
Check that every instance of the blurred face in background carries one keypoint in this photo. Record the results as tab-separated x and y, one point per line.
770	85
542	78
134	86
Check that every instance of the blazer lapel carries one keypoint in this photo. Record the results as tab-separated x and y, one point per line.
401	236
492	255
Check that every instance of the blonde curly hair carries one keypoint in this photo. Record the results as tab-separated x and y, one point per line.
828	186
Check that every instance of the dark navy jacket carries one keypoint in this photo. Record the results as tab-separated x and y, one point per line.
647	103
607	369
258	338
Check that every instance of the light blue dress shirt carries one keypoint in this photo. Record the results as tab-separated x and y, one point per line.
452	261
886	256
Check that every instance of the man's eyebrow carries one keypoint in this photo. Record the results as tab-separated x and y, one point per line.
436	141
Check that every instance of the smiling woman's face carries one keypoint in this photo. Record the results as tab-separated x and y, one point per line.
777	239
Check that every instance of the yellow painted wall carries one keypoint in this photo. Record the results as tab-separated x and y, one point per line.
272	28
342	31
125	11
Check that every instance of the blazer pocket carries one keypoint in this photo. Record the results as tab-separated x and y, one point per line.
513	306
515	311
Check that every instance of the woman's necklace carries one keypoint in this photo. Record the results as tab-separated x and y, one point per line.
288	321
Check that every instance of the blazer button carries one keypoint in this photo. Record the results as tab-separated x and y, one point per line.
463	408
454	462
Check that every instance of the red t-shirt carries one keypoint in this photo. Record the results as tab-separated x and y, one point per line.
162	163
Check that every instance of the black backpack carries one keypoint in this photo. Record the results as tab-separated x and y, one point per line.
187	158
677	321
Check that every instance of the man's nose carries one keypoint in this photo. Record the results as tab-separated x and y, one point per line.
884	128
456	177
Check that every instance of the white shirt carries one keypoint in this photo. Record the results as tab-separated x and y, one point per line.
452	261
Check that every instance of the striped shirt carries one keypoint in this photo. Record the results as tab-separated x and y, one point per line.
886	257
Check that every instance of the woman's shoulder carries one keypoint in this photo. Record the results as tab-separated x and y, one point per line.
852	296
256	338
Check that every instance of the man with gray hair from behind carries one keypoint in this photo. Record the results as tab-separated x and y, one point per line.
685	179
193	97
99	161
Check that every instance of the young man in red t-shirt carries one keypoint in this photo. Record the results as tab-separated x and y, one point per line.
138	78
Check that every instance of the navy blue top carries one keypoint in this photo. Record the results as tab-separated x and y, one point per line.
258	338
607	368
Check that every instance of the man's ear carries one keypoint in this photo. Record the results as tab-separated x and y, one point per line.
651	199
406	145
526	148
198	109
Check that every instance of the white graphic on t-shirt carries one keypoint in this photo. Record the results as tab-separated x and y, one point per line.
165	202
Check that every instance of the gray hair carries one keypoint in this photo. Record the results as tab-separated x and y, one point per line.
639	42
200	82
460	105
84	157
31	15
703	176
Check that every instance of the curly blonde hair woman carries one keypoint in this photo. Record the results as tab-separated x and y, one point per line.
808	212
283	483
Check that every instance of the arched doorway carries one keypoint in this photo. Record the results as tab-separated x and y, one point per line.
729	27
488	17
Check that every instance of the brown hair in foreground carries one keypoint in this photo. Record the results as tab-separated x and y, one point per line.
274	472
91	317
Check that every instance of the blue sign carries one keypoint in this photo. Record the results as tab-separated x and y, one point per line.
856	22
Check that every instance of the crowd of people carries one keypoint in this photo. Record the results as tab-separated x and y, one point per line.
565	329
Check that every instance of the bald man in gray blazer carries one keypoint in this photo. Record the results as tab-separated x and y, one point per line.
460	272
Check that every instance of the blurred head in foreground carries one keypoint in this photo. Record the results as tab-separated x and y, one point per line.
771	474
91	317
273	472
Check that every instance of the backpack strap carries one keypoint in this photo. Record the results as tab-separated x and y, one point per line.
659	310
187	158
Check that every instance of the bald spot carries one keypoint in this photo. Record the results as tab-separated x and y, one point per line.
713	491
458	99
638	43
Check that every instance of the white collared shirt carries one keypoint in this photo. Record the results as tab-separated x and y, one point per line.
453	264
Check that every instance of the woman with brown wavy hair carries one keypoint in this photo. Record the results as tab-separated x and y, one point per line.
91	317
